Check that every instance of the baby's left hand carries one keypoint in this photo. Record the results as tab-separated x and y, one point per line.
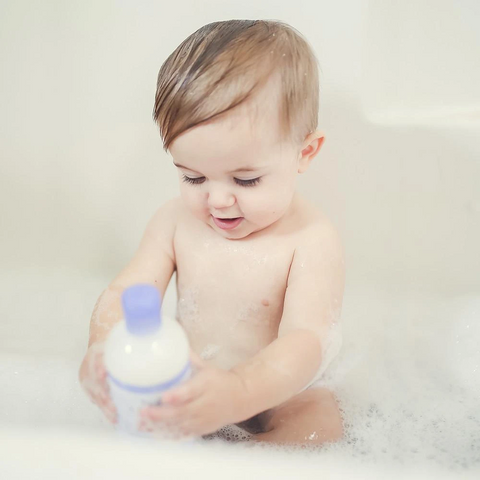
211	399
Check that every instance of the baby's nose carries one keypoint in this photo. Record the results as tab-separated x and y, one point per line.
219	198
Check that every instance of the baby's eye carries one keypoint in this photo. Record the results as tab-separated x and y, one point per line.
193	181
247	183
238	181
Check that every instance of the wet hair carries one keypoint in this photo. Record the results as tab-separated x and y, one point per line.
224	64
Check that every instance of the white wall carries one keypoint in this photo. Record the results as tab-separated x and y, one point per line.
82	165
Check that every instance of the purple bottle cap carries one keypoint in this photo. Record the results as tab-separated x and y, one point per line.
141	308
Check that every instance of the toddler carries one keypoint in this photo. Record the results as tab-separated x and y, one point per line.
259	269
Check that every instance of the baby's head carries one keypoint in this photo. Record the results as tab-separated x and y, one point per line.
237	106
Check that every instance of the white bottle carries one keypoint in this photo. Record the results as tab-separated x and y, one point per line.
145	355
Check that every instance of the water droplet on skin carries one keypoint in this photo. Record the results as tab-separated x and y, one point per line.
187	309
209	351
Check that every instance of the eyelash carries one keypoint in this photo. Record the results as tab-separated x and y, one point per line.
243	183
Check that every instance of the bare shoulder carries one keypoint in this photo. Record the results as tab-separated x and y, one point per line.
317	234
166	216
315	225
162	226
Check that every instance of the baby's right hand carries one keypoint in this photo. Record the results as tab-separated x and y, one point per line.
93	379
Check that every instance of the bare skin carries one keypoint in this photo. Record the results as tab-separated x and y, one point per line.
257	301
308	419
229	317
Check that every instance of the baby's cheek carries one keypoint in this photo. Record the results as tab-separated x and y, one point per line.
194	202
267	208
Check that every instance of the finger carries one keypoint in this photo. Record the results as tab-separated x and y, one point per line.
110	405
163	430
162	414
90	381
186	392
100	399
101	373
195	427
173	434
187	418
103	379
109	413
107	409
155	425
97	389
103	400
99	365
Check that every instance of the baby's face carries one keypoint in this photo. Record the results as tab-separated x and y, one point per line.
232	169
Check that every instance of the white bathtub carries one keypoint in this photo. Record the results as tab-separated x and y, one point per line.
83	170
48	427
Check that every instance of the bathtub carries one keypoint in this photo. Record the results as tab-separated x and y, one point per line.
413	412
398	175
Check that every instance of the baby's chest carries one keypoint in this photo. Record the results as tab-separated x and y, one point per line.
231	279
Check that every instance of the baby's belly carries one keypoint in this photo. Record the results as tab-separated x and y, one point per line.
226	335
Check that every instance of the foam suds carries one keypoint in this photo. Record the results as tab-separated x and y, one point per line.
103	307
406	381
229	433
407	376
235	249
210	351
187	309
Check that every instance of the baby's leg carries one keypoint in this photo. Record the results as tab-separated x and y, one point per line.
311	418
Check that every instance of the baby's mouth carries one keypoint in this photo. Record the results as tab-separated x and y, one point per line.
227	223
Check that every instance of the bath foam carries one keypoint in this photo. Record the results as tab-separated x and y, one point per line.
229	433
398	386
399	349
398	382
464	350
248	253
187	309
104	303
210	351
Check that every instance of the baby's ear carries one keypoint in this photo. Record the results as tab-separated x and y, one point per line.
311	146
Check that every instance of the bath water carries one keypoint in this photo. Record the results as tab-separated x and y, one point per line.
407	377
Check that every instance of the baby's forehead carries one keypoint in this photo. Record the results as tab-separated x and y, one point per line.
214	149
249	130
239	133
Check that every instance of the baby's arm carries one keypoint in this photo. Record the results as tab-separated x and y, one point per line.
153	263
312	302
215	397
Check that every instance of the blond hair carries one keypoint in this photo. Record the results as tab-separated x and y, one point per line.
222	64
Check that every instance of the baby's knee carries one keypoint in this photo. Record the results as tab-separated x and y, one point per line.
334	431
